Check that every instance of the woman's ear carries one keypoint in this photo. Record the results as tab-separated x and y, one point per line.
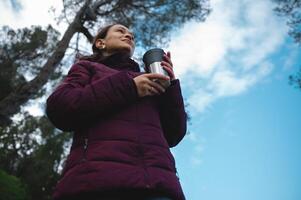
100	44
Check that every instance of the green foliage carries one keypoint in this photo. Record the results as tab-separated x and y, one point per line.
23	52
152	21
156	19
11	188
295	80
292	11
33	150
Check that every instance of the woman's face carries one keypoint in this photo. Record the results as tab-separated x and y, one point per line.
118	39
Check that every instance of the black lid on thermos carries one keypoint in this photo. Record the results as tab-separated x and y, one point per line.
152	61
153	55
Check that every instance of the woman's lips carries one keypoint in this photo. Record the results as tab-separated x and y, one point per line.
128	41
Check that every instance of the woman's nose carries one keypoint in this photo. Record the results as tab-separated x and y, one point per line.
129	36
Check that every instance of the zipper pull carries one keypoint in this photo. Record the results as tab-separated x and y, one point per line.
86	144
85	150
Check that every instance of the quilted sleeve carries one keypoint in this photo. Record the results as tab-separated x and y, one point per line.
172	114
77	102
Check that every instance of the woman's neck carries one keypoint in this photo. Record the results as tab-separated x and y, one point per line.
107	54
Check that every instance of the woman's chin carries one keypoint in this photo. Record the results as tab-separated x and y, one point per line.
127	48
126	51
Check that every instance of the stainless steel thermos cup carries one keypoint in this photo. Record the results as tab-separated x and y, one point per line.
152	61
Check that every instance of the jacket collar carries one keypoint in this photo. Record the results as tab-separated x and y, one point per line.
121	62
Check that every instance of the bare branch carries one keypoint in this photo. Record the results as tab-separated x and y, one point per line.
87	33
11	104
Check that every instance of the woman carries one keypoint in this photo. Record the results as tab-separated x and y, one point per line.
123	123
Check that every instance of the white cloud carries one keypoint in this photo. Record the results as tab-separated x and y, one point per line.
197	149
229	53
191	50
226	83
291	60
196	161
200	100
224	56
33	12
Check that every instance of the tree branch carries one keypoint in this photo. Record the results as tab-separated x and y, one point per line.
12	103
86	33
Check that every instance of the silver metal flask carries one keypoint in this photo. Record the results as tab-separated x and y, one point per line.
152	61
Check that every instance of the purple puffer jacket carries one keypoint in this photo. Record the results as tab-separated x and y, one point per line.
121	141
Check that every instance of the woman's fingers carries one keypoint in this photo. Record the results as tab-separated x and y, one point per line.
147	85
167	58
153	91
164	63
156	76
168	67
170	72
168	54
159	88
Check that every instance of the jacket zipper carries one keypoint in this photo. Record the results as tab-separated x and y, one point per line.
85	149
146	175
141	153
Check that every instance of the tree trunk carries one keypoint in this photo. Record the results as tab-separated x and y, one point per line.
11	104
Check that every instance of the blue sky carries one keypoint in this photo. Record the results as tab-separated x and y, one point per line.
246	146
244	140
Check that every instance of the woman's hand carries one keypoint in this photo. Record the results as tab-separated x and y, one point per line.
147	87
168	66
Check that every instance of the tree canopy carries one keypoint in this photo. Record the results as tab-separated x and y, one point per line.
291	10
152	21
32	60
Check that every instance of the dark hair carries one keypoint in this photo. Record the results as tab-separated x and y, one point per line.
97	53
